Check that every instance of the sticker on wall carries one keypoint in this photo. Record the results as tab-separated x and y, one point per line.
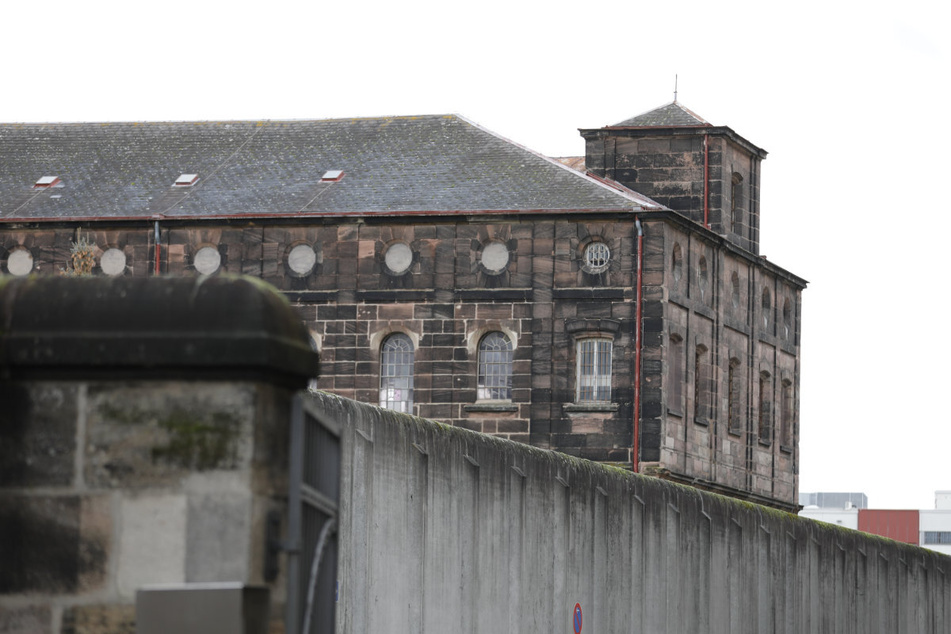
578	618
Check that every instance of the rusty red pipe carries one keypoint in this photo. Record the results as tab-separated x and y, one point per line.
635	449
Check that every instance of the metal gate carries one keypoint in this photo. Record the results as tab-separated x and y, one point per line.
312	520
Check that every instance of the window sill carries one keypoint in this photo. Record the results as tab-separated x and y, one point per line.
489	406
701	421
765	443
590	407
785	449
736	433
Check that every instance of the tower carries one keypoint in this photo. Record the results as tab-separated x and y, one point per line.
708	173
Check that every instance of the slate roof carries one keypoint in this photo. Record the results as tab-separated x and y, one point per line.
427	164
670	115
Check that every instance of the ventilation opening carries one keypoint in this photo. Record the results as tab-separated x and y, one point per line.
331	176
48	181
186	180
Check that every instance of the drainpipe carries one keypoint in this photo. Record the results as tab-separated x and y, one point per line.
706	181
158	250
635	457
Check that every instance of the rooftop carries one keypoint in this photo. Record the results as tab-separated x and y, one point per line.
425	164
670	115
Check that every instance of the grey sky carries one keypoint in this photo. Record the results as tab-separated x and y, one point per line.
849	98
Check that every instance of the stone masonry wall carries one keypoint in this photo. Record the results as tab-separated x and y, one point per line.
105	487
723	320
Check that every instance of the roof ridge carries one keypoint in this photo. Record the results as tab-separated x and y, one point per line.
198	122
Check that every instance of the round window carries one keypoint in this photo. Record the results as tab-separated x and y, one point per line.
112	262
301	259
20	261
495	257
398	257
207	260
597	256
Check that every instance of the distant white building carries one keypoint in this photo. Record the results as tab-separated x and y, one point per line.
935	525
927	528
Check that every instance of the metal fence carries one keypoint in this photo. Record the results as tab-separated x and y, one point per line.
312	520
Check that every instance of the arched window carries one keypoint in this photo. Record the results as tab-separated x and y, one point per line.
787	414
495	367
735	397
675	374
765	407
736	203
396	373
702	394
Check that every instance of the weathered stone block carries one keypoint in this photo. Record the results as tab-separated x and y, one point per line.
99	619
152	435
153	543
37	434
218	527
52	544
33	619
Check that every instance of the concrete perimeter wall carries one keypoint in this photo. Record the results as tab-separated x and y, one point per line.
445	530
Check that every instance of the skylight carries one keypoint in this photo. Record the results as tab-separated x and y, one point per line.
331	176
186	180
48	181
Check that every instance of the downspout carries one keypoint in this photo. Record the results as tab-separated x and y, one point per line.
706	181
158	250
636	448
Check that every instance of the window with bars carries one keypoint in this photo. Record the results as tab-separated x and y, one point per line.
396	373
594	371
495	367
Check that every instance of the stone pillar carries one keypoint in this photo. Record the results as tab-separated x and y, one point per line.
143	440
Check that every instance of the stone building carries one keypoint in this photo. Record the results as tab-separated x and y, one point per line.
621	314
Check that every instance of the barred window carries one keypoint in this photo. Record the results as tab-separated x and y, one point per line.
396	374
597	257
495	367
594	371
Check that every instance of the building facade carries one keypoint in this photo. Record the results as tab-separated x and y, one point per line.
928	528
447	272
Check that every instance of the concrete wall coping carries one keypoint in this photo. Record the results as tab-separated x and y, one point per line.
216	327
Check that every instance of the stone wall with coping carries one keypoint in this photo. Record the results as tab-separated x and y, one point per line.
116	473
445	530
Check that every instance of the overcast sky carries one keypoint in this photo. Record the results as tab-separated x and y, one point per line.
849	98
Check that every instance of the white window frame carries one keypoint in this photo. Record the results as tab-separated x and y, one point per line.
593	370
397	366
495	367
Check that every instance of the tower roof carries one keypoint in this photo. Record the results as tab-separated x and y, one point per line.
670	115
